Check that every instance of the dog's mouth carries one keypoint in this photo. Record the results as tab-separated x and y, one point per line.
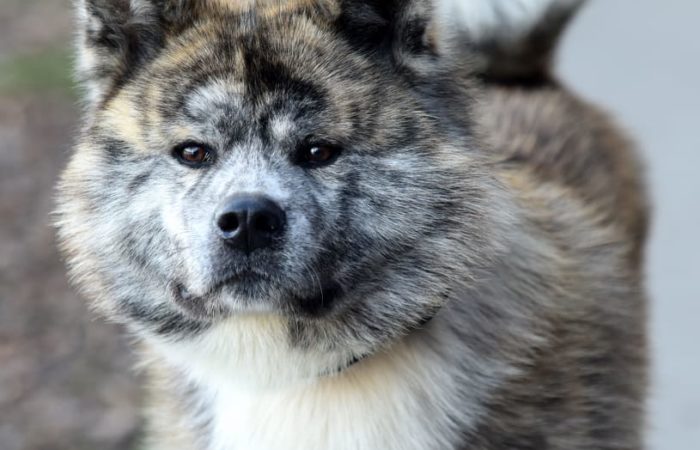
253	292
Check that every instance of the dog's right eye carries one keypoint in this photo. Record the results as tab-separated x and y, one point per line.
194	155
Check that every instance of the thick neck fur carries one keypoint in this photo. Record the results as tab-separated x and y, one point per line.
411	396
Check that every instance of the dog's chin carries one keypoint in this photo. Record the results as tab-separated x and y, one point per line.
256	295
206	307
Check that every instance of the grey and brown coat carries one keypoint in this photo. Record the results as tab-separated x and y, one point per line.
346	224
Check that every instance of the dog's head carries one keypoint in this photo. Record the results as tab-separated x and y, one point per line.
310	161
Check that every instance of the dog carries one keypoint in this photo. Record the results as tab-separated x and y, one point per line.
358	224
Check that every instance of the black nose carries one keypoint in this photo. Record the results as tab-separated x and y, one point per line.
249	222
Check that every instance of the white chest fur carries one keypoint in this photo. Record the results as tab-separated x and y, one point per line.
370	406
407	397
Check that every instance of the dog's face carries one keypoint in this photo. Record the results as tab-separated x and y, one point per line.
310	162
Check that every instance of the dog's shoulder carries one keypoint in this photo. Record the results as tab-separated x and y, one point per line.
546	134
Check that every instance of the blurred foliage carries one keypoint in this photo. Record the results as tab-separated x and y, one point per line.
47	70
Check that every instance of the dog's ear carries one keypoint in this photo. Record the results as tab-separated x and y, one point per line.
401	29
116	37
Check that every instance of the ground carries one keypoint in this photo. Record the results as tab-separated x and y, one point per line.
65	378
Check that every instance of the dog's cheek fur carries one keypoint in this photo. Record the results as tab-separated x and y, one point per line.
111	228
391	218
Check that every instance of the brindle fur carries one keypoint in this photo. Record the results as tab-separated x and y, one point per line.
481	217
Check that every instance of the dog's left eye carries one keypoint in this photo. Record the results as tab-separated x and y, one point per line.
194	155
317	155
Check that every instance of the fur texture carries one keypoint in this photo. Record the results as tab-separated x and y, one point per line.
464	274
509	38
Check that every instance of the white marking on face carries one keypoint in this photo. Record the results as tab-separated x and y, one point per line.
173	217
204	99
281	127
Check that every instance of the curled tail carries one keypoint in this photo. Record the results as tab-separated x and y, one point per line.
510	39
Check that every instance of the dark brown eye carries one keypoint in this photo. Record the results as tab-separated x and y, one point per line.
317	155
193	155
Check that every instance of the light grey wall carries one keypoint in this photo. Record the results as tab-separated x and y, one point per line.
641	60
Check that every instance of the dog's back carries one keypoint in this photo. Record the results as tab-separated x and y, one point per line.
477	245
565	143
579	180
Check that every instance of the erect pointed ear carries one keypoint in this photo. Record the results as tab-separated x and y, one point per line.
117	36
404	28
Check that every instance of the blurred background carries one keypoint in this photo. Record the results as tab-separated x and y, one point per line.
65	376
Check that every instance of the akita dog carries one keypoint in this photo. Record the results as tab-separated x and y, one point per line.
358	224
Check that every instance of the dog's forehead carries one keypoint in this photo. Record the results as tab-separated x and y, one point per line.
274	79
225	61
255	81
222	107
266	7
214	95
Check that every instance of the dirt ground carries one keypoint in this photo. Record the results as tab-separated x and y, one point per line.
65	376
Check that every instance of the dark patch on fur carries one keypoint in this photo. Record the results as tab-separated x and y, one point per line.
321	303
163	321
379	27
139	180
264	75
115	151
